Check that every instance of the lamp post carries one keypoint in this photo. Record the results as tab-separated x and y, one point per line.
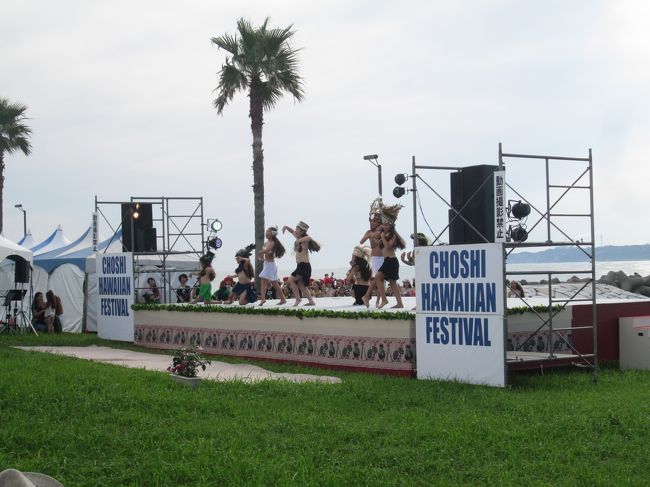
20	207
373	160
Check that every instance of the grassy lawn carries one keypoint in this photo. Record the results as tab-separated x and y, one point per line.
95	424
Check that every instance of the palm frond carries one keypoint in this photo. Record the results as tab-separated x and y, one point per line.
231	80
14	133
228	43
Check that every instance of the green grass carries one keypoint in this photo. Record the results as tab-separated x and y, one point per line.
95	424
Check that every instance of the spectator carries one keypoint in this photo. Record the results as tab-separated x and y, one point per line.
53	312
183	291
151	294
38	313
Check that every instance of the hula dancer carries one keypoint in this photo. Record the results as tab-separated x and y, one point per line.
299	279
272	249
359	273
243	290
374	237
389	270
206	276
419	240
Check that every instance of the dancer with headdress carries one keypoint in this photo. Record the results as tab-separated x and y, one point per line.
389	270
243	290
373	237
359	273
272	249
419	240
206	276
299	280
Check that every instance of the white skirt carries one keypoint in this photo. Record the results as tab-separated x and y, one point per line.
270	271
376	262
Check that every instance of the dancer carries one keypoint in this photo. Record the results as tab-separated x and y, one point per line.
374	237
389	270
272	249
419	240
299	279
206	276
243	290
360	273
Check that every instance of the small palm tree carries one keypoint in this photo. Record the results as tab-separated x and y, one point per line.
14	135
261	62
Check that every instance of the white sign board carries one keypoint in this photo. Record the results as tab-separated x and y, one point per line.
115	295
499	206
459	319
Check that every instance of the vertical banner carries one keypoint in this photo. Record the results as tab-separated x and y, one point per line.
115	294
459	319
95	231
500	206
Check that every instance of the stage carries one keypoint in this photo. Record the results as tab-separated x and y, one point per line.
336	334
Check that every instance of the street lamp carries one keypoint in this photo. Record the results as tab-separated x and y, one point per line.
20	207
373	160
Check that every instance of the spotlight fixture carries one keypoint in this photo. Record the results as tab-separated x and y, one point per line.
518	233
215	243
520	210
216	226
398	192
135	210
400	178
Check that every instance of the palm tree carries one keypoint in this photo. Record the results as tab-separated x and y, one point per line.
14	135
261	62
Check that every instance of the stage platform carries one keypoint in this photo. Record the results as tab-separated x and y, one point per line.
337	334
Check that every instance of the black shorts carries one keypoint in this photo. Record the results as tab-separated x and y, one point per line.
303	269
359	292
390	269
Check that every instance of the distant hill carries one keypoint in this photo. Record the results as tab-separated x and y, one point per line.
574	254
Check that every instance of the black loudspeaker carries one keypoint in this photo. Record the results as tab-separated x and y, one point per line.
472	189
21	271
144	235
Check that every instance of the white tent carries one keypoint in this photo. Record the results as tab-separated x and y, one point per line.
28	240
9	252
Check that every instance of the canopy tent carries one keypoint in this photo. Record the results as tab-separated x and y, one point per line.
56	240
28	240
9	249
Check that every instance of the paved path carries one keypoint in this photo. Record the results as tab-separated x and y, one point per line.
220	371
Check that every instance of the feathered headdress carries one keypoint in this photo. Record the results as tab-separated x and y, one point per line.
421	240
207	258
245	252
361	251
389	213
375	209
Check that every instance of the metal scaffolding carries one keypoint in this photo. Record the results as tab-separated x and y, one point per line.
180	231
556	235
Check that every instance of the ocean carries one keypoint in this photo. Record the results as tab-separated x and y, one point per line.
641	267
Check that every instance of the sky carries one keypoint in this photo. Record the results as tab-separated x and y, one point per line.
120	103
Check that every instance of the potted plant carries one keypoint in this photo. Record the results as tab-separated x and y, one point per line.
185	366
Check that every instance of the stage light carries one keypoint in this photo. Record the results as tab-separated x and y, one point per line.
520	210
136	211
398	192
518	234
216	226
215	243
400	178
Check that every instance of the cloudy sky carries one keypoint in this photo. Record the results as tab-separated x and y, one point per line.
120	93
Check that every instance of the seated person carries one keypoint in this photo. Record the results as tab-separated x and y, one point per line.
183	291
53	312
38	313
151	295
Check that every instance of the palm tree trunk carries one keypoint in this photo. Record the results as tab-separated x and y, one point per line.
257	121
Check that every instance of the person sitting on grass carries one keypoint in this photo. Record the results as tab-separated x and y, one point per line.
38	314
